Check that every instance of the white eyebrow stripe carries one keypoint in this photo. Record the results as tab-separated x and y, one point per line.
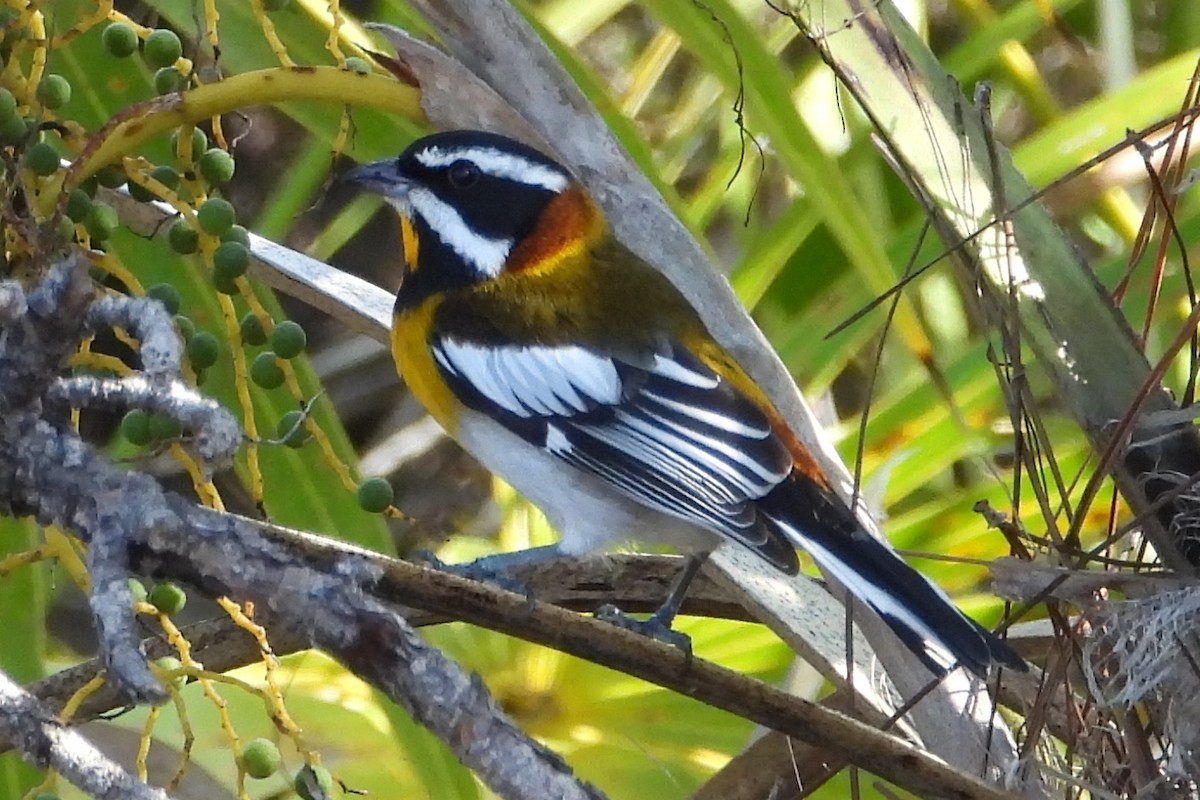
486	255
499	164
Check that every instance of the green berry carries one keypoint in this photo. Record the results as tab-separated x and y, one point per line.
290	429
359	65
166	294
168	598
237	233
185	326
199	142
230	260
215	215
13	129
13	31
313	783
120	40
162	48
111	177
164	427
135	427
140	193
216	165
172	664
167	80
225	284
375	495
203	350
41	158
261	758
54	91
8	103
138	590
165	175
253	332
182	237
288	339
101	221
265	371
78	204
64	229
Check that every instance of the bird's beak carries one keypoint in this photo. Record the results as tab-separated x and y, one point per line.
380	177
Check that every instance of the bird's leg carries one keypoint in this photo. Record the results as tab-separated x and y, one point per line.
495	569
658	625
665	615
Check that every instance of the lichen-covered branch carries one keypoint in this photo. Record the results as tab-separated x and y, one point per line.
32	730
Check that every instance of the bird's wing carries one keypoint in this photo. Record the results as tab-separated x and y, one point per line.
665	430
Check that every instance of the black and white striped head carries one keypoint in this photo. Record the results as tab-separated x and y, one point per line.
472	198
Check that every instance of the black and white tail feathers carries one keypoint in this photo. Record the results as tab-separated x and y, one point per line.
919	613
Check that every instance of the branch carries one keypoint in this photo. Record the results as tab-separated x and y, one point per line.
30	728
303	564
634	583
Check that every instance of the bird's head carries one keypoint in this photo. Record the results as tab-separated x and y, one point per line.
476	207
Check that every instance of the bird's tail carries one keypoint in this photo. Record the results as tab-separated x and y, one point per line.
919	612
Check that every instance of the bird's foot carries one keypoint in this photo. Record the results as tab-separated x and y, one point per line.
656	627
484	570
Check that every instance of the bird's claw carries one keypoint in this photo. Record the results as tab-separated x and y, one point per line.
652	627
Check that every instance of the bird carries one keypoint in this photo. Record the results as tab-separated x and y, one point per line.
577	372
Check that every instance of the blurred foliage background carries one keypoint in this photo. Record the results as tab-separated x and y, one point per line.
797	207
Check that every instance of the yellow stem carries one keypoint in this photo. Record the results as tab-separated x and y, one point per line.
144	120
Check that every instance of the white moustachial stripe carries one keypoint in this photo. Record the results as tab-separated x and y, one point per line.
484	254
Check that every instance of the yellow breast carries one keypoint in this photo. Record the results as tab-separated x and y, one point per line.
414	361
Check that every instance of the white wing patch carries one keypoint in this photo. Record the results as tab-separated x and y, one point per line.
491	161
535	380
484	254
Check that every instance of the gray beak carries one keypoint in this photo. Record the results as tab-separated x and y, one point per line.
380	177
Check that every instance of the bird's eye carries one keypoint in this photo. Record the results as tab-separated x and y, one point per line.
462	174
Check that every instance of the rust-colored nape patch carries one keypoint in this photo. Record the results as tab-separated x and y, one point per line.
568	223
